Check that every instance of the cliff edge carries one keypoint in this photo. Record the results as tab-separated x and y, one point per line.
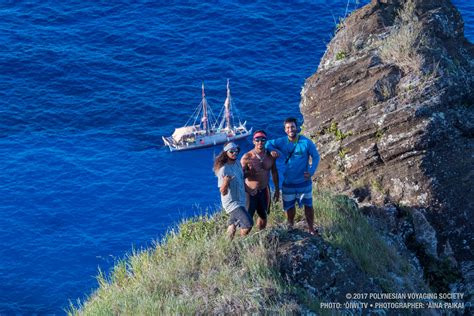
391	110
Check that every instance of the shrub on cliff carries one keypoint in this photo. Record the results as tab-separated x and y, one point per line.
402	43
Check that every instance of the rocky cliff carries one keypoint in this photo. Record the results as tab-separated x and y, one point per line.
391	109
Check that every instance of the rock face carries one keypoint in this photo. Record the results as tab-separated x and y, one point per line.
328	273
391	109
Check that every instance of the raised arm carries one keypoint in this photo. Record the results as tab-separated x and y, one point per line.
224	188
223	181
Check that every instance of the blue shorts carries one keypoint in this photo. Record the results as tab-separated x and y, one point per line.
301	192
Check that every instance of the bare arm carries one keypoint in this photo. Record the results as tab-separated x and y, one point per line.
244	161
224	188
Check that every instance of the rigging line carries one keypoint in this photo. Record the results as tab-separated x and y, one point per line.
347	9
220	117
237	113
193	115
198	114
211	117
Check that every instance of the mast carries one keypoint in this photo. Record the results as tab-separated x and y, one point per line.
227	108
204	111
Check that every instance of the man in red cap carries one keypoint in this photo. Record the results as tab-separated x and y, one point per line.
257	165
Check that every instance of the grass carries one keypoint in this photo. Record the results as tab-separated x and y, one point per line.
346	228
402	43
377	186
195	269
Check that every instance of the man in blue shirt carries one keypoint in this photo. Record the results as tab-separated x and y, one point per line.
297	185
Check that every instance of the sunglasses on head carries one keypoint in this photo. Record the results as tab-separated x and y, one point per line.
234	151
260	139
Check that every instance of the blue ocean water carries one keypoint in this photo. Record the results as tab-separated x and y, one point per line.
87	90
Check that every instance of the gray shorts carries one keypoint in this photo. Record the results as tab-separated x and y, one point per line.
240	218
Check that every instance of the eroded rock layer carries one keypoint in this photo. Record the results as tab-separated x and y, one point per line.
391	111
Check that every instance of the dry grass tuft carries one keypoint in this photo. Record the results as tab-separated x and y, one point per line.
402	43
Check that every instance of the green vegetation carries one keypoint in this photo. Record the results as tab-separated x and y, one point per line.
377	186
196	269
346	228
340	24
341	55
340	135
343	152
379	134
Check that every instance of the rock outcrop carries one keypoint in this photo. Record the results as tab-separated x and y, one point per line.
324	271
391	109
329	273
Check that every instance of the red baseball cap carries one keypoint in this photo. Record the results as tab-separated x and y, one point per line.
259	134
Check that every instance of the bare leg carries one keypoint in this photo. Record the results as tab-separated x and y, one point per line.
231	231
309	213
261	223
290	216
245	231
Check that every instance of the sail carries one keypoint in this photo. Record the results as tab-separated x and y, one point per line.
226	118
227	108
203	132
204	118
182	131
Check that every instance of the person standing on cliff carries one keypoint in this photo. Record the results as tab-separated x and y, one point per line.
257	164
297	184
230	180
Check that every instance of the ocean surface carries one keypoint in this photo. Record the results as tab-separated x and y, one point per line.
87	89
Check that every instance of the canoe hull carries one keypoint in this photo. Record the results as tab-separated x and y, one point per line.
204	141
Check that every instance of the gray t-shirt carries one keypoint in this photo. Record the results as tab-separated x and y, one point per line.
235	196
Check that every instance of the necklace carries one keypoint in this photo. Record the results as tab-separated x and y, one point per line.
258	156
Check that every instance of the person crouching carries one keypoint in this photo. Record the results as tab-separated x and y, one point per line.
230	180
